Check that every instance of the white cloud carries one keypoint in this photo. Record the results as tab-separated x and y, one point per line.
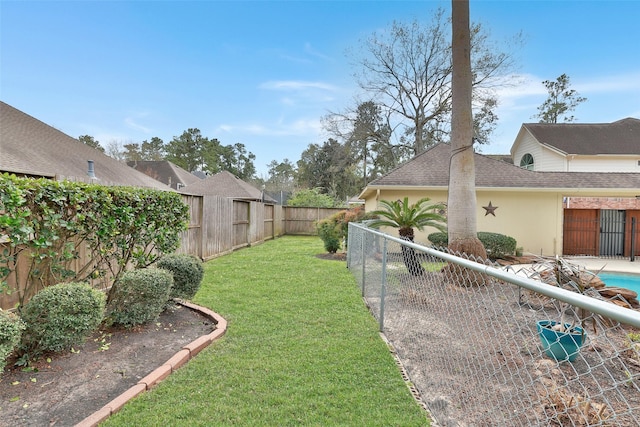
518	86
295	58
130	122
530	87
311	51
299	127
296	85
307	57
611	83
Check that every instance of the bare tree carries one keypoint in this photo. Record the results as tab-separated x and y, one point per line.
462	222
115	149
408	69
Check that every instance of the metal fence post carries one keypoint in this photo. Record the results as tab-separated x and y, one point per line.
383	281
350	232
633	239
364	258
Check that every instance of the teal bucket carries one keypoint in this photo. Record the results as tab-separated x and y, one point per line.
560	346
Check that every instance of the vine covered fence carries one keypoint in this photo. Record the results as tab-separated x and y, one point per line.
473	353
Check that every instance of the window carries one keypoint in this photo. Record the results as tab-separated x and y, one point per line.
527	162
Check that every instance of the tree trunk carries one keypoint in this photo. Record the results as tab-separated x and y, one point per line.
409	256
462	222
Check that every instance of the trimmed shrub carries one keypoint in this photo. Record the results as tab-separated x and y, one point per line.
497	245
139	297
334	229
439	239
331	233
11	327
187	273
60	317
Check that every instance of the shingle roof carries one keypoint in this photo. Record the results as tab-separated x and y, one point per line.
431	169
31	147
502	157
226	184
621	137
164	171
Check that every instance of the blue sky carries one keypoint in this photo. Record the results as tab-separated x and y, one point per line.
263	73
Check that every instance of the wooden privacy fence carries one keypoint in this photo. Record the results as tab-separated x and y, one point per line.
218	226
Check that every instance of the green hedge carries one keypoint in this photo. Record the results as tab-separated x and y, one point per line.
497	245
187	271
11	327
60	317
120	227
139	296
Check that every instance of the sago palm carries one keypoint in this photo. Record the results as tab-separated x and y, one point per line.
406	217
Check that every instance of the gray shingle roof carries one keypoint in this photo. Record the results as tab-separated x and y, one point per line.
31	147
164	171
431	169
226	184
621	137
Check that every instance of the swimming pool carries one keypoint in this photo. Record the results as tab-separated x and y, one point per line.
621	280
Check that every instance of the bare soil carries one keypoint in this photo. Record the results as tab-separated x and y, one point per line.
63	389
338	256
447	338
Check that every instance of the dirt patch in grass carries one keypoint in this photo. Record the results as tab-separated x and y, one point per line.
63	389
338	256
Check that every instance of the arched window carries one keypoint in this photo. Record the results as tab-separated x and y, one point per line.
526	162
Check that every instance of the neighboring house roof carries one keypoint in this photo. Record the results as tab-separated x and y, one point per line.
32	148
228	185
166	172
200	174
502	157
617	138
431	169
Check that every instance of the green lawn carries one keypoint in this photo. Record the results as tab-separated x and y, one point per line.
300	349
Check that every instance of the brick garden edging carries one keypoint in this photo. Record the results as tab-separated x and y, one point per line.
186	353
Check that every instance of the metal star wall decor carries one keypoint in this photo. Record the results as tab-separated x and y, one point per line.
490	209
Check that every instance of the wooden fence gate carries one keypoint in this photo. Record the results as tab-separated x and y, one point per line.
601	232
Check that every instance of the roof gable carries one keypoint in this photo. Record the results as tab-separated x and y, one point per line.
431	168
228	185
618	138
165	172
31	147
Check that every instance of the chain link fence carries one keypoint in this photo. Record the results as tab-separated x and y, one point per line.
473	353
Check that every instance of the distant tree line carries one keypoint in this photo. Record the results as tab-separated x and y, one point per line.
191	151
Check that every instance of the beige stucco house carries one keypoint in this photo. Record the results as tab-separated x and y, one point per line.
527	205
584	147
